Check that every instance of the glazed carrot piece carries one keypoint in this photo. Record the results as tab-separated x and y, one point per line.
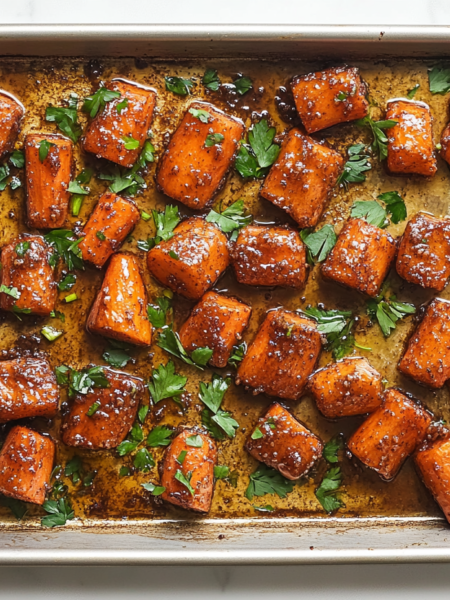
120	309
26	269
361	258
48	181
282	356
102	418
190	262
192	171
445	144
196	468
301	179
427	355
28	388
346	388
424	250
11	114
129	116
391	433
110	223
270	256
217	322
330	97
285	444
433	463
26	463
410	146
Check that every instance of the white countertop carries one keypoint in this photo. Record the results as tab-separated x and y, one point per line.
411	582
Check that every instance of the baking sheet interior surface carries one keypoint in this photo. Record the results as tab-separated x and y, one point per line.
40	83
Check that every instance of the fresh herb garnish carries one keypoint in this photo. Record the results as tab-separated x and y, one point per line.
212	394
44	147
331	449
268	481
387	311
195	441
173	255
155	490
169	341
67	283
201	115
181	457
319	243
255	158
81	382
439	79
165	383
158	316
237	355
179	85
395	206
211	80
93	409
142	413
243	85
326	492
59	512
159	436
10	291
357	164
143	461
17	159
413	91
145	216
257	434
74	469
92	104
18	508
375	214
65	246
76	188
165	223
122	105
66	118
231	220
379	144
127	182
185	480
22	248
136	436
217	421
221	472
213	139
100	235
50	333
130	143
116	357
124	472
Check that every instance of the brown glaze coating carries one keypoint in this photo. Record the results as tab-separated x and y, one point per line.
199	256
433	463
286	444
191	172
361	258
330	97
31	275
111	422
410	146
423	255
445	143
115	218
47	181
26	462
104	135
198	464
282	355
217	322
346	388
390	434
301	179
28	388
11	115
270	256
427	355
120	309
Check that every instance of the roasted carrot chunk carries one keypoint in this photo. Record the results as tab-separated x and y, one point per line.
109	224
410	146
445	144
192	261
346	388
26	463
28	388
361	258
330	97
424	250
126	117
189	481
282	356
433	463
120	309
199	155
302	178
390	434
285	444
218	323
48	180
427	355
27	274
103	417
11	115
270	256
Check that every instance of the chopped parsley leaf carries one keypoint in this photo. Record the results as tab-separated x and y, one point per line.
319	243
155	490
357	164
59	512
213	139
255	158
237	355
44	147
169	341
22	248
165	383
92	104
243	85
439	79
331	449
179	85
326	492
66	118
221	472
185	480
211	80
231	220
266	480
387	311
159	436
257	434
158	316
413	91
379	143
201	115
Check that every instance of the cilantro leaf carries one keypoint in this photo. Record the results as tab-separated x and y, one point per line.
155	490
17	159
169	341
387	311
255	160
116	357
226	422
326	492
379	143
59	512
237	355
179	85
22	248
65	246
395	206
319	243
159	436
195	441
213	139
143	461
370	211
257	434
122	105
166	383
413	91
201	115
266	480
44	147
439	79
185	480
128	181
66	119
357	164
247	163
242	85
18	508
92	104
331	449
211	80
81	382
232	219
221	472
212	394
13	292
166	222
129	445
213	428
129	143
73	469
67	283
143	412
158	316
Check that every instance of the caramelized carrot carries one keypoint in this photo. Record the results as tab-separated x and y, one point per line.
190	170
109	224
102	418
26	273
26	463
282	356
120	309
302	178
192	261
11	115
445	144
218	323
285	443
433	463
107	133
28	388
330	97
48	181
197	468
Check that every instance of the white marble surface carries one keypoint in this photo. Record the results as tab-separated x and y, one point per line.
411	582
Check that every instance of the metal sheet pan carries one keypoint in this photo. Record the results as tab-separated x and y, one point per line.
236	541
